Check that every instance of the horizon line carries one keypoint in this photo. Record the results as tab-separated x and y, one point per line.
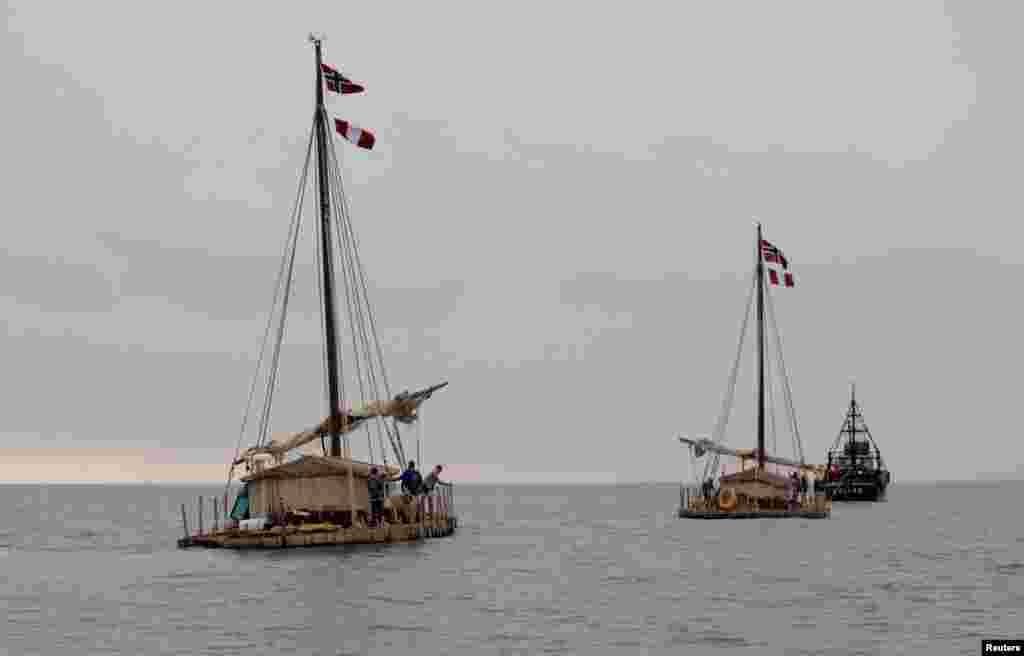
556	483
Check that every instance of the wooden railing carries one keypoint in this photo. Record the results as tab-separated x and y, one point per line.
446	491
692	497
200	504
440	500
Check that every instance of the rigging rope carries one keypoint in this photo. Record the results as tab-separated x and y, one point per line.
356	312
788	392
771	407
357	276
723	420
419	439
365	344
275	360
362	282
289	246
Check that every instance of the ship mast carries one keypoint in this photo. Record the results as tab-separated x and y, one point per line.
853	415
330	328
760	350
853	425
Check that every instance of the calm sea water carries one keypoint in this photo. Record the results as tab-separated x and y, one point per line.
537	570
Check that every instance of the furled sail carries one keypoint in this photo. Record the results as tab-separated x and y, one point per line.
404	408
702	446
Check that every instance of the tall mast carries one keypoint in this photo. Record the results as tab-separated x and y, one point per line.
330	334
760	351
853	424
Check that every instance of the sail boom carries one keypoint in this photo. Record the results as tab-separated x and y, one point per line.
707	446
404	408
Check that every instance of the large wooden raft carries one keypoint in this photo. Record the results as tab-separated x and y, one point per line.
323	501
320	535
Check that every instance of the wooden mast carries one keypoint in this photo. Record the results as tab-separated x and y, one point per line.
760	350
330	329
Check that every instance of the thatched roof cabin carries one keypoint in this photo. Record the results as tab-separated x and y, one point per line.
314	483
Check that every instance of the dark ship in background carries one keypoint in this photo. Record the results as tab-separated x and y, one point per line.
855	470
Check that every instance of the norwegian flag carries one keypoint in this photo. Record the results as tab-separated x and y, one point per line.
771	253
358	136
338	83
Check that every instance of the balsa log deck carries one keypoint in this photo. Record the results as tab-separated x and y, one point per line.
760	514
694	505
320	535
406	519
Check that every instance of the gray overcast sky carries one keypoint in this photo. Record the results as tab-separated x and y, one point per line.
557	219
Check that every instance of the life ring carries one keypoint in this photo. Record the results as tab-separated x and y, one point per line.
727	499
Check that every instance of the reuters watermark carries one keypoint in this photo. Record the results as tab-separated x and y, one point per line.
1002	646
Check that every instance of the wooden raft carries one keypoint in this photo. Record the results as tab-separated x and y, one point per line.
759	514
756	495
303	536
407	524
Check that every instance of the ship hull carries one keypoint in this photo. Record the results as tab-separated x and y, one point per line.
856	490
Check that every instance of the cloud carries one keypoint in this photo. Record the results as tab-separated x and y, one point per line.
126	465
99	465
56	284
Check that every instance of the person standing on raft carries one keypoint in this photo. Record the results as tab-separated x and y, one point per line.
432	479
411	480
375	488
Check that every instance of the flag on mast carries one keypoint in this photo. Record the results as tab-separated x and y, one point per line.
358	136
338	83
772	254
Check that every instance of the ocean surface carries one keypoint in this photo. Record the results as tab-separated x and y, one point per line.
533	570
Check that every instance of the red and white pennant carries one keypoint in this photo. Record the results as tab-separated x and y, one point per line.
358	136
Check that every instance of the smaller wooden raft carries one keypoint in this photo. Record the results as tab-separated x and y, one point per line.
752	494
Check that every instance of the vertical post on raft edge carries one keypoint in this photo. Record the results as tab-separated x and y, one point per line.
216	517
200	527
184	520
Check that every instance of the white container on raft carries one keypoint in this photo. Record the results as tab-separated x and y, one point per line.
257	524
